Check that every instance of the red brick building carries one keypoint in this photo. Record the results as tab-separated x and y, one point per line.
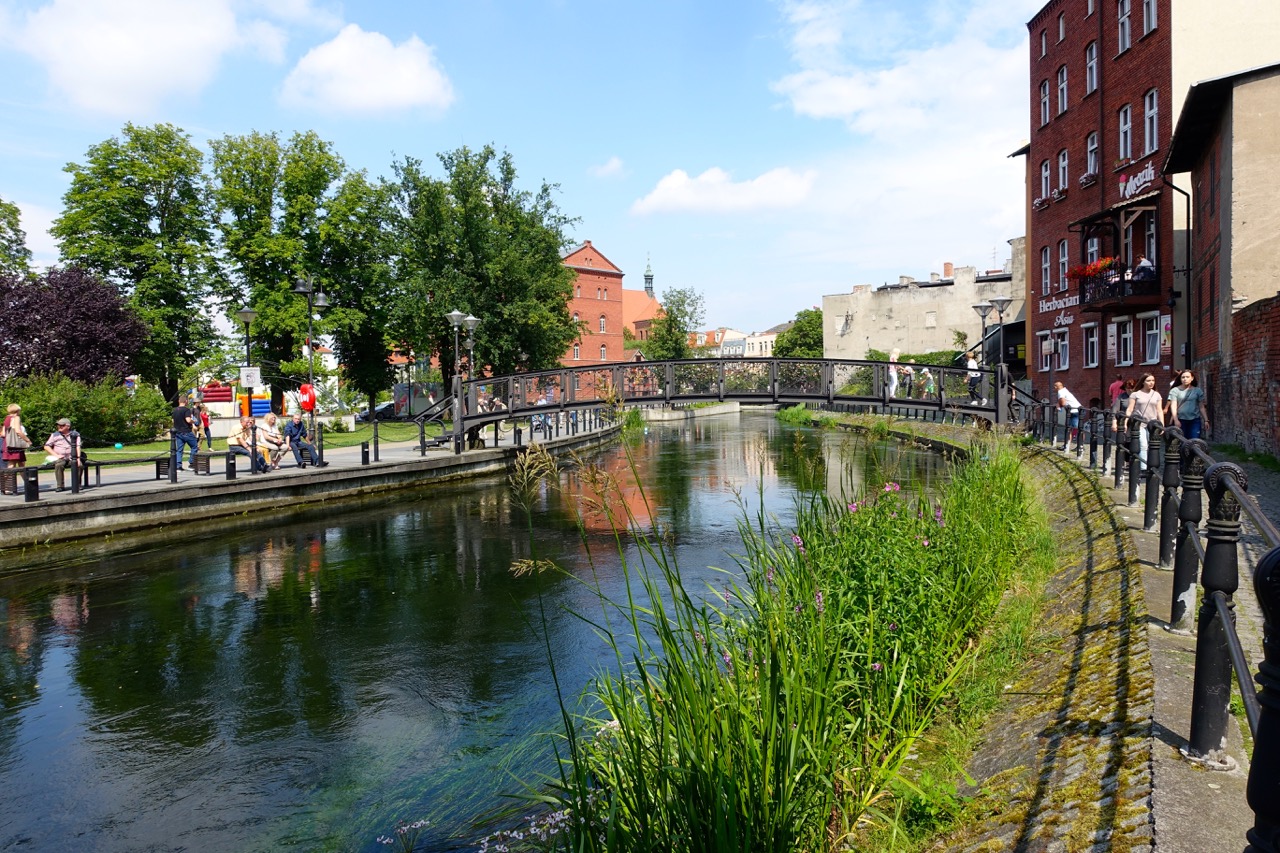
597	304
1101	119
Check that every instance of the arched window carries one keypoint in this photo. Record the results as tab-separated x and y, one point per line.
1062	169
1151	120
1125	124
1044	101
1091	67
604	353
1046	272
602	324
577	351
579	291
1091	153
575	316
1062	89
1063	255
1044	179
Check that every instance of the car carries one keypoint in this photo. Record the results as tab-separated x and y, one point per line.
382	412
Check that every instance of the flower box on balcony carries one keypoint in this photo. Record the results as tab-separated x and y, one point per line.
1040	203
1059	194
1089	179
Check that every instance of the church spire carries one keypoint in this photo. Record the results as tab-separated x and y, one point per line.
648	277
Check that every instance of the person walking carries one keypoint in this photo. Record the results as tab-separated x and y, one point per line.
184	433
1187	406
15	439
1147	404
893	372
975	379
1068	401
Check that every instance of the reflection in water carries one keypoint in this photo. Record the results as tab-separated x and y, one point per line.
307	684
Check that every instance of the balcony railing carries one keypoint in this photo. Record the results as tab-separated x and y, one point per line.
1118	283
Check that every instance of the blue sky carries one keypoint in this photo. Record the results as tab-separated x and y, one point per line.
762	152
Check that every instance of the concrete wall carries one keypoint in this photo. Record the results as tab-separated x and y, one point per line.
913	316
1253	168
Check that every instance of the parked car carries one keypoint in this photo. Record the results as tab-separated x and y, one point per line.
382	412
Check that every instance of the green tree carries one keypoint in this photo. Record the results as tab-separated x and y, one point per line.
356	261
136	214
682	313
472	241
803	339
271	202
15	257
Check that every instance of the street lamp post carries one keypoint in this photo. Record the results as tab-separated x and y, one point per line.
983	309
455	318
315	299
1001	304
471	322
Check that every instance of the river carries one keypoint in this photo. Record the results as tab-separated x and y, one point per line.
305	683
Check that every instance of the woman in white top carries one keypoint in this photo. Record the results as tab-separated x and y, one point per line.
1146	403
893	371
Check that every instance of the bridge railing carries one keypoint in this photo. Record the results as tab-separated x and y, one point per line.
1174	474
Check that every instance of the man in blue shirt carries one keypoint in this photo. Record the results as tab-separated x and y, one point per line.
295	433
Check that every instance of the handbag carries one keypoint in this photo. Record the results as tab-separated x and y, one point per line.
15	440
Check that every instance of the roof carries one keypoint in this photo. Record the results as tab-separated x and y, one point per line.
588	258
1102	214
779	329
638	306
1201	111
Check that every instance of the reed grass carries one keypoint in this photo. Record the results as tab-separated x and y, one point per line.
778	712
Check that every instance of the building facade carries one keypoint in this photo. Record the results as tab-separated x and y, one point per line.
1228	141
1106	241
596	304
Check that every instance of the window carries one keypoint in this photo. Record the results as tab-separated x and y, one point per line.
1063	256
1062	169
1062	27
579	291
1091	67
604	353
1092	250
1044	179
1062	89
601	324
1125	151
1150	338
1151	121
1122	16
1091	153
606	293
1061	343
1150	238
1044	101
1088	9
1124	342
575	316
1044	271
1090	354
1044	42
1148	16
577	351
597	293
1046	351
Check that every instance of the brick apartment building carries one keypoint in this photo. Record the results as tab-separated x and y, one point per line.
597	303
1107	78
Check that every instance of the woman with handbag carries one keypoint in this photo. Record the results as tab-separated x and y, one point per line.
14	454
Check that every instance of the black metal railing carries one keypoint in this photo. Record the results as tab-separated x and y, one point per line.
1117	282
1173	473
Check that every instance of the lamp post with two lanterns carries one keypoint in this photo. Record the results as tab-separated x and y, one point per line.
247	315
315	299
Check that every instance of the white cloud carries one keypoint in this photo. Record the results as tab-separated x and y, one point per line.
363	72
607	169
36	221
715	192
121	57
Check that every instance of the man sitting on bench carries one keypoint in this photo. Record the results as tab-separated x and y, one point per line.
62	444
295	433
240	442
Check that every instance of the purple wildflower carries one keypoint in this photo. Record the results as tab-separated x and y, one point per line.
799	543
768	575
797	608
817	601
925	542
728	661
893	626
855	506
892	487
877	666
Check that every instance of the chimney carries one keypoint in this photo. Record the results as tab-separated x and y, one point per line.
948	270
933	276
905	279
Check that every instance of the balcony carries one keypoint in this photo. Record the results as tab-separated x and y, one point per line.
1120	287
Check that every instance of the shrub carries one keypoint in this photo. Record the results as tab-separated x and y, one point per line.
103	412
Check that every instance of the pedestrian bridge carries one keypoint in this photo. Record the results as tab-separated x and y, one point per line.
865	385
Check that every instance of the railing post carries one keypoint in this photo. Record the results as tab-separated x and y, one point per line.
1135	463
1211	692
1185	559
1152	501
1263	792
1169	508
457	413
1117	465
364	453
1094	420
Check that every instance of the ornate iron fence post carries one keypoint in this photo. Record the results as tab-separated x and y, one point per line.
1190	510
1169	509
1211	692
1151	501
1264	773
1135	463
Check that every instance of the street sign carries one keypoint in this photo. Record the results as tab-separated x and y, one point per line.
250	377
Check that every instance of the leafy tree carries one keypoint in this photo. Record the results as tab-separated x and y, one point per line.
272	201
136	214
472	241
15	257
357	260
69	322
803	339
682	313
102	411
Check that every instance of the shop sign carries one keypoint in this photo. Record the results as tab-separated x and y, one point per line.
1058	304
1138	181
